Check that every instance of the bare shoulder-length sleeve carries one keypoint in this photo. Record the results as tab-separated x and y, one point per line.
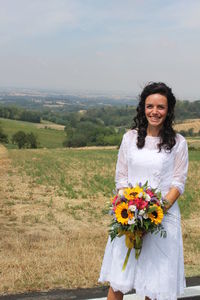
180	166
121	175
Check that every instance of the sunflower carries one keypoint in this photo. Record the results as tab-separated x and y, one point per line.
132	193
122	214
156	216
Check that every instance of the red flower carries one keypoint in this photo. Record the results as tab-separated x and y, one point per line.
150	193
140	203
114	200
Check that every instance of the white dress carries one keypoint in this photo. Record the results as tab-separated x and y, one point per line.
159	271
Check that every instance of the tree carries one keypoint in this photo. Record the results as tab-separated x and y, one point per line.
23	140
3	136
30	116
19	138
31	140
191	131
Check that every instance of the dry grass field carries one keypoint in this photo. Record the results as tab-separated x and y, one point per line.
193	142
187	124
53	221
50	125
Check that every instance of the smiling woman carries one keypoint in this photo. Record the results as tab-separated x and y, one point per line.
155	111
151	152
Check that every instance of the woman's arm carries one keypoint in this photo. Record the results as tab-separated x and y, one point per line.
179	174
171	197
121	174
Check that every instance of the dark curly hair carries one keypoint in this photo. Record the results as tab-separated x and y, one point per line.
167	133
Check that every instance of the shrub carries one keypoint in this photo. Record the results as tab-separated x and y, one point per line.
23	140
3	136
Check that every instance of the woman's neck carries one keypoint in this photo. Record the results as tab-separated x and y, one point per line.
153	131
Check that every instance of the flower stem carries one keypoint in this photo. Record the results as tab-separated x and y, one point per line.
126	259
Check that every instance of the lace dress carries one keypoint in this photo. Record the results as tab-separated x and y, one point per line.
159	271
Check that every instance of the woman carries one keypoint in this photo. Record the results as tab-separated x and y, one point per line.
151	151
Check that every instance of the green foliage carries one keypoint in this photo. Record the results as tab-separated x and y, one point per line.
32	141
3	136
189	133
15	113
85	132
23	140
187	110
30	116
19	138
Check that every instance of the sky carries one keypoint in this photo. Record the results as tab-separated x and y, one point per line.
101	45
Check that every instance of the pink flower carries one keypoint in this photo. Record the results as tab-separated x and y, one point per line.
150	193
140	203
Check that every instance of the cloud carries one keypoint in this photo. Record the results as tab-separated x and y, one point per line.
27	18
184	14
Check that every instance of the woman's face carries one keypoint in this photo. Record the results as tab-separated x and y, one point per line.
156	107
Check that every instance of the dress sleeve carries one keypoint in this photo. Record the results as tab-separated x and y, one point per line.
121	175
180	166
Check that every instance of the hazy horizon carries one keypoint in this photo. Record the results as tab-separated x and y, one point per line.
81	92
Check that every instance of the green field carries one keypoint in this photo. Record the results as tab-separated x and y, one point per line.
48	138
194	155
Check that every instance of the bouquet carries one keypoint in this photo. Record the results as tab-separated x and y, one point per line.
137	210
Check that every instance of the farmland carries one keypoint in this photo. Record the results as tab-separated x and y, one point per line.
54	220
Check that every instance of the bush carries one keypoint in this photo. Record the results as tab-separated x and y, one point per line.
23	140
77	140
189	133
3	136
31	140
19	138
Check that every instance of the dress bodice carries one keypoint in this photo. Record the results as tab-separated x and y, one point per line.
162	169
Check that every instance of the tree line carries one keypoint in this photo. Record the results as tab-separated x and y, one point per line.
190	133
15	113
97	126
107	115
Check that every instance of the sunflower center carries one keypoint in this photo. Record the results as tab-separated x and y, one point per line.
155	214
124	213
133	194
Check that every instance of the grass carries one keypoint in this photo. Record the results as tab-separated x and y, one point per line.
53	217
194	156
73	173
194	143
47	137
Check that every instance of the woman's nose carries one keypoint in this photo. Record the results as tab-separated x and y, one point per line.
154	111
